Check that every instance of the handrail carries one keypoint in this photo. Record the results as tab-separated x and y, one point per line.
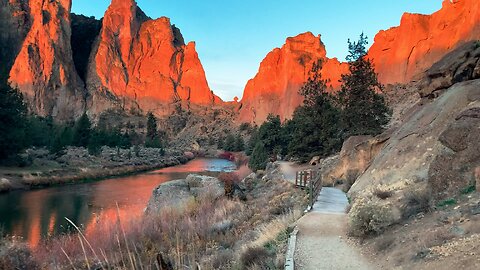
310	180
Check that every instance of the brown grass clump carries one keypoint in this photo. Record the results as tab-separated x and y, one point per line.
383	194
417	201
255	258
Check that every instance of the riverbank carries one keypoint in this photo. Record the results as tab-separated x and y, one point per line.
75	165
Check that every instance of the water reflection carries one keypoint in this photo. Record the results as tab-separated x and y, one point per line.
36	214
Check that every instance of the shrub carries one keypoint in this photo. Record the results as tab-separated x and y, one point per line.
369	217
16	256
468	190
229	180
417	201
254	256
447	202
245	127
259	158
382	193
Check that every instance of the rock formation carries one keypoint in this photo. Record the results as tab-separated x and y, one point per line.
402	52
43	70
14	25
435	147
281	74
144	63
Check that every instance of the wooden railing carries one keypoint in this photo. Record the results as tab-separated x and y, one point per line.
311	180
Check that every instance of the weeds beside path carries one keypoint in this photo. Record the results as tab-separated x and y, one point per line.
321	240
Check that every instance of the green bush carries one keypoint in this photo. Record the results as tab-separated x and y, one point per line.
369	217
259	158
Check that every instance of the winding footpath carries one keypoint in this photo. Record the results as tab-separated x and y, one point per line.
321	234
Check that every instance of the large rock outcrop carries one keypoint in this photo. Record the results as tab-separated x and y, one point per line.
14	26
402	52
281	75
43	70
143	63
435	150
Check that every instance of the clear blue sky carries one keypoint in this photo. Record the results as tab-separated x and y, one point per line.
232	37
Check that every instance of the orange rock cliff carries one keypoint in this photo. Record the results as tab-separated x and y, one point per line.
281	75
399	55
402	52
43	69
144	62
134	62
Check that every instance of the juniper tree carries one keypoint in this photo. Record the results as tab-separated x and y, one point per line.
364	111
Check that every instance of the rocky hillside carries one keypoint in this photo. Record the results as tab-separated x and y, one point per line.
281	74
399	54
66	64
432	154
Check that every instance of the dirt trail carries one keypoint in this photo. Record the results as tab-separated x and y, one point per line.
321	233
320	240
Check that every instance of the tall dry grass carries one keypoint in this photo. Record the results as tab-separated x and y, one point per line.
207	233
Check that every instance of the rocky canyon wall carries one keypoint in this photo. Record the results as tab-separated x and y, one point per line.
144	63
400	54
281	75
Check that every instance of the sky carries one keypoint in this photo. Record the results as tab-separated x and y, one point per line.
232	37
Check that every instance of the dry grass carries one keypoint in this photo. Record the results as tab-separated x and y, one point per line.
209	233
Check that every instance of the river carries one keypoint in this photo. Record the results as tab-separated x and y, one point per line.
37	214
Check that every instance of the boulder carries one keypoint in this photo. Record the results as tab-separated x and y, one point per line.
457	66
178	193
455	167
315	161
354	158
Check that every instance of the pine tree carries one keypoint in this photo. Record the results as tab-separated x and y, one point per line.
272	136
151	126
259	158
252	142
315	127
82	131
221	143
364	109
239	143
230	143
12	121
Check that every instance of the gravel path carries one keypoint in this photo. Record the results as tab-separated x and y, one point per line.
320	240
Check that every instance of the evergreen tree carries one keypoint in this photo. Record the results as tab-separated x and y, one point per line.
221	143
272	136
63	137
12	121
82	131
153	139
239	143
259	158
364	109
151	126
252	142
315	127
230	143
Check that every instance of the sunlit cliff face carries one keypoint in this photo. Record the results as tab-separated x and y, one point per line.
281	74
398	55
402	52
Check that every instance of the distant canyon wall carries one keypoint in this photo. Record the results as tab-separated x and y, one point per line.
399	54
126	61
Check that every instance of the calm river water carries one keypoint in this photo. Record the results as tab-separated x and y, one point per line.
37	214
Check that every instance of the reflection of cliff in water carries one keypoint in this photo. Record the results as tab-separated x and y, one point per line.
41	213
